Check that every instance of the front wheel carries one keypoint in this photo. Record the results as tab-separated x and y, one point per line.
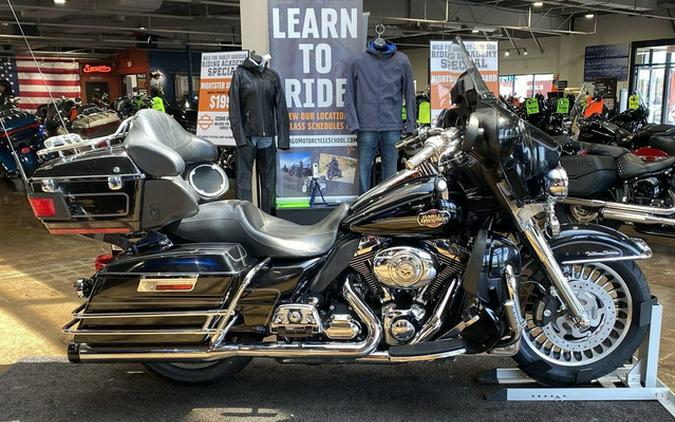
199	372
556	351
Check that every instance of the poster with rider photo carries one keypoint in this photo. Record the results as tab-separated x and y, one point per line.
446	65
213	117
312	44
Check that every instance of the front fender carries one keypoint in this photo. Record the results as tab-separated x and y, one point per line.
581	243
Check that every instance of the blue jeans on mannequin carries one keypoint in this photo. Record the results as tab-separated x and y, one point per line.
368	142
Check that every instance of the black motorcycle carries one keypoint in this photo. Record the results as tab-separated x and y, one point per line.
599	129
628	129
612	186
447	257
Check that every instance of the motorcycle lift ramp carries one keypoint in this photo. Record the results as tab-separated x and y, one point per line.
632	382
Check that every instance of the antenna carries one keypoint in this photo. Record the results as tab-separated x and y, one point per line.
30	49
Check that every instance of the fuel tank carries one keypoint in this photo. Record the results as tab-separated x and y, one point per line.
420	207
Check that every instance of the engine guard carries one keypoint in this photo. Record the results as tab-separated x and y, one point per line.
600	244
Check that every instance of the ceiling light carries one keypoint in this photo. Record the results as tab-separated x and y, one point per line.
589	16
507	53
524	52
474	31
59	1
142	28
538	4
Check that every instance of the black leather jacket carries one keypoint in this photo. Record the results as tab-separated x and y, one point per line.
258	105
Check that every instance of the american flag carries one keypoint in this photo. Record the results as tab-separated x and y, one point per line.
62	78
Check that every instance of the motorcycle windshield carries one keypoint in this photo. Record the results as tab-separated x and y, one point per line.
471	71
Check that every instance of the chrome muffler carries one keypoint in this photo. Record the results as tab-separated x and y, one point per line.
83	353
635	217
619	206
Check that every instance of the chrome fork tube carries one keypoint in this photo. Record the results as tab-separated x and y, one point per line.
524	217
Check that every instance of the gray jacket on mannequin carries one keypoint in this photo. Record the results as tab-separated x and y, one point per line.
377	83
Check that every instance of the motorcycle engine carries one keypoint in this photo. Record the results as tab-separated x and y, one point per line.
407	280
646	190
403	267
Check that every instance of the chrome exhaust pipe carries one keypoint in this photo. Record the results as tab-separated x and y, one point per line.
83	353
634	217
597	203
513	314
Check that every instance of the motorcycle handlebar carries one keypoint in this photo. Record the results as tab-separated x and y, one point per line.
440	141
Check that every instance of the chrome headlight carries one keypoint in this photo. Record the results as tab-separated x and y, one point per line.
557	183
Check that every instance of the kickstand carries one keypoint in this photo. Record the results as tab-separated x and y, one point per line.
634	381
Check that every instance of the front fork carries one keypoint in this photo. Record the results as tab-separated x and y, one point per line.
524	217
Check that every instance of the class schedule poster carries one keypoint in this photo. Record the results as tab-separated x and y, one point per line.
213	118
312	44
446	65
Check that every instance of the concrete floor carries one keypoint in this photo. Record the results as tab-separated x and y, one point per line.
36	298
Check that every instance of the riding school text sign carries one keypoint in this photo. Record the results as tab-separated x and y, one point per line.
312	44
213	118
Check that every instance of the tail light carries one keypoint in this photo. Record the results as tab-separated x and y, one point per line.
103	260
25	150
43	207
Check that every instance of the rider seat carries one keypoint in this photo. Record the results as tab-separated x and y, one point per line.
664	143
160	147
262	235
630	165
601	149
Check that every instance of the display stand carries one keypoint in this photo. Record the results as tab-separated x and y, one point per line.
634	381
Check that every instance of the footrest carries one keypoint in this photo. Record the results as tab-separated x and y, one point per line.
428	348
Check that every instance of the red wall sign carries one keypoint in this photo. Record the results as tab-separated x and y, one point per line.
99	68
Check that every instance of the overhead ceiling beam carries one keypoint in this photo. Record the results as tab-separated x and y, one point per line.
111	12
209	2
115	28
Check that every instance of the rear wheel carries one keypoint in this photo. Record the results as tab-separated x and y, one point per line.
577	214
199	372
556	351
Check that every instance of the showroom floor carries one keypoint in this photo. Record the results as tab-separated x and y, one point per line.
37	271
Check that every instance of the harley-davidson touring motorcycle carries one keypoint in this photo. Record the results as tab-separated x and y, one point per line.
459	253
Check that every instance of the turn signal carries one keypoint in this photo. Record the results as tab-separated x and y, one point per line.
43	207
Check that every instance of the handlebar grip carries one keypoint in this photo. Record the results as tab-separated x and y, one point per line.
420	157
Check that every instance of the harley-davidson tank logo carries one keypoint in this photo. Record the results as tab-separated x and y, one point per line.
433	218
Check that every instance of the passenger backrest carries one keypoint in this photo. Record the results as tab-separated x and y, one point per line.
146	144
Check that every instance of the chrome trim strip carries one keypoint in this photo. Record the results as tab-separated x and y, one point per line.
93	176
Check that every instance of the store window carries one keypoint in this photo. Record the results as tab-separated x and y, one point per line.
653	78
181	85
525	86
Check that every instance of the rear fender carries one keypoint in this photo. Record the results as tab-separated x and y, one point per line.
581	243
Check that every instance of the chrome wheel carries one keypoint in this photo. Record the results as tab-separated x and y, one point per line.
582	214
608	302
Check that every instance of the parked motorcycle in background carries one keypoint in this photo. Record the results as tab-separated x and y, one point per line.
24	132
627	130
613	186
443	259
